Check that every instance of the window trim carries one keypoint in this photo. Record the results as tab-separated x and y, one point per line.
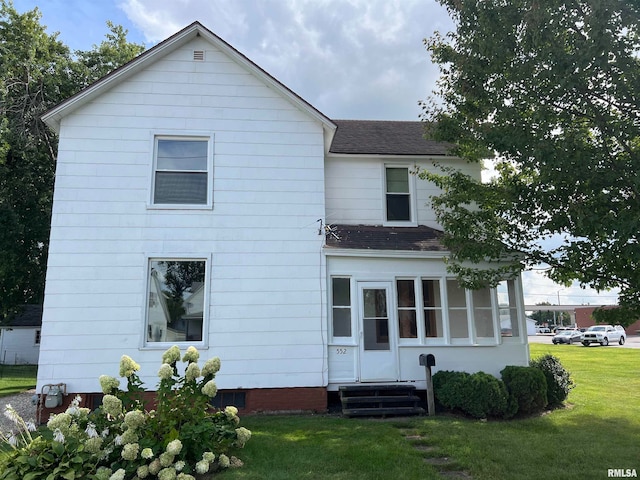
341	340
412	197
444	312
204	343
187	136
417	296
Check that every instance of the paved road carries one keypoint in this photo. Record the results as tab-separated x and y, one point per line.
631	342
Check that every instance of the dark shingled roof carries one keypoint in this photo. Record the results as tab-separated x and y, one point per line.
384	138
375	237
31	316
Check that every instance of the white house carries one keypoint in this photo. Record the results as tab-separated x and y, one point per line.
199	201
20	337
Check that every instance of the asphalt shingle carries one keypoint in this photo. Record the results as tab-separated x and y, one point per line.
384	138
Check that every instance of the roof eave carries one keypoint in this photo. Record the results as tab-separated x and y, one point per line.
54	116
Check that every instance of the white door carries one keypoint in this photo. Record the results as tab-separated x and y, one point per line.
377	337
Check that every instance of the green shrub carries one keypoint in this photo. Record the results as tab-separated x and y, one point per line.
184	436
449	388
559	382
527	386
479	395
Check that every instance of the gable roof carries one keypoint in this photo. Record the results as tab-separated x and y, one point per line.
53	116
376	237
31	316
384	138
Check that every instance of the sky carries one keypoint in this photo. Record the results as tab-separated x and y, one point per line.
351	59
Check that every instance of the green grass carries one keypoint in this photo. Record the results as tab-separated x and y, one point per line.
17	378
600	429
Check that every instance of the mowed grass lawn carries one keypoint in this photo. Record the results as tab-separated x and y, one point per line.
16	379
599	430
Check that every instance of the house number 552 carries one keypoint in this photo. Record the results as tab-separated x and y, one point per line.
341	351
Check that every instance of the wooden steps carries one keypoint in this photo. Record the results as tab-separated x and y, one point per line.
379	400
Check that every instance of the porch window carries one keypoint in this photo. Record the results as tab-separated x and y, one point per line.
398	195
341	306
176	300
482	313
458	324
509	326
182	171
432	307
407	313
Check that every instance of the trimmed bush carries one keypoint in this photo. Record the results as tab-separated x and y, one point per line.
559	382
527	386
479	395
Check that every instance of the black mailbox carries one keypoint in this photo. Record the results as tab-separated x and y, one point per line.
427	360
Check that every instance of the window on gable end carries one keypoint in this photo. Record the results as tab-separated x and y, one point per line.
177	296
397	194
182	171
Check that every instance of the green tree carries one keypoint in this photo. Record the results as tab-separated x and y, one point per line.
549	90
37	71
552	318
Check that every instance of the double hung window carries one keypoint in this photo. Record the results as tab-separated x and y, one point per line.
182	171
397	194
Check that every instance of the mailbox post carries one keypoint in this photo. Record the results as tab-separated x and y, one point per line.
428	360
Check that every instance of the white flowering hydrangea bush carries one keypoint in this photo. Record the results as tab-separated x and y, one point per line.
182	439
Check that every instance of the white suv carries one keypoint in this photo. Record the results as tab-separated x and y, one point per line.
603	334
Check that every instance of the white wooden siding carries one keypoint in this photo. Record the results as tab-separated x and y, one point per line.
267	277
355	189
18	346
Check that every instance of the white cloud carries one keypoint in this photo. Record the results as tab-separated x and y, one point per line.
538	288
349	58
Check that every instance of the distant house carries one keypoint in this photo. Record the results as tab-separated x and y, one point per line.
199	201
20	337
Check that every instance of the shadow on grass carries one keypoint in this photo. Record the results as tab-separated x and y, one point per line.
562	445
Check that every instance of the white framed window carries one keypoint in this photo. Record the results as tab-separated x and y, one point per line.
182	171
483	313
177	300
432	309
341	307
508	307
458	315
407	308
399	201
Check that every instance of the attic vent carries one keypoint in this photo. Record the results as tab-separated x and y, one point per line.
198	55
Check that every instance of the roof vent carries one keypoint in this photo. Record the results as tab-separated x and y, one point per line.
198	55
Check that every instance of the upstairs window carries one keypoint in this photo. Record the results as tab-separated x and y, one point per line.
182	171
397	194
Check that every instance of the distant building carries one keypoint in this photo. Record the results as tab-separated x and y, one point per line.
20	337
584	319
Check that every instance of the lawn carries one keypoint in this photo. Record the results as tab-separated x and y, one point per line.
599	430
17	378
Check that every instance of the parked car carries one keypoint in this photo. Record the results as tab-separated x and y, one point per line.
603	334
567	336
542	330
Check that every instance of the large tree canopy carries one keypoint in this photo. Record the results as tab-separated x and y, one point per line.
551	91
37	71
